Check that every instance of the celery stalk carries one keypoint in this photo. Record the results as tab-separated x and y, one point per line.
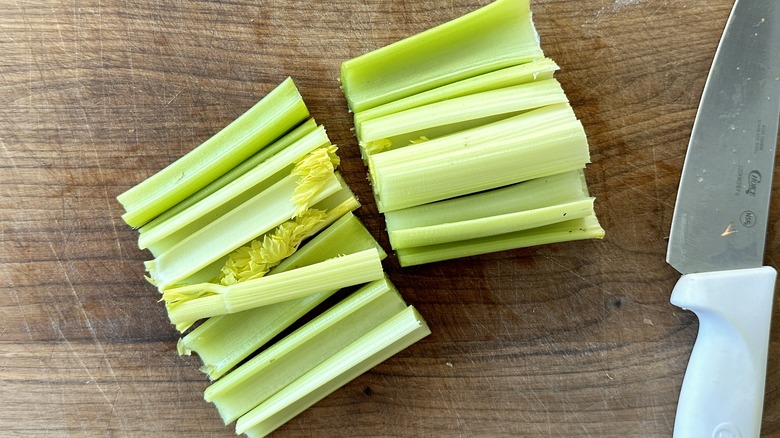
577	229
392	336
507	100
279	365
254	217
427	173
528	195
334	206
527	123
496	36
190	303
490	225
516	75
222	342
159	237
234	173
277	113
529	204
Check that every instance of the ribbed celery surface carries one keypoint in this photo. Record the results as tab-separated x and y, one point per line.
509	100
470	166
496	36
227	178
276	367
392	336
506	77
254	217
277	113
192	302
160	236
450	136
222	342
577	229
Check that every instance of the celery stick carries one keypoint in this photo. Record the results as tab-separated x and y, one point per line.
545	118
479	167
236	227
334	205
234	173
190	303
222	342
376	346
461	109
577	229
528	195
282	363
160	237
277	113
496	36
519	74
490	225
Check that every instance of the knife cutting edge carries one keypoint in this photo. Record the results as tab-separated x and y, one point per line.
719	229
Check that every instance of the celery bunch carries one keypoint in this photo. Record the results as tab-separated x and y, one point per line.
470	141
250	232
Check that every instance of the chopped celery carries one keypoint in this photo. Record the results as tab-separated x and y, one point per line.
240	225
529	204
509	100
334	206
277	113
222	342
392	336
577	229
279	365
496	36
190	303
437	170
250	163
159	237
519	74
490	225
528	195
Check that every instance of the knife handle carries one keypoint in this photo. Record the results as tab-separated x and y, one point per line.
722	393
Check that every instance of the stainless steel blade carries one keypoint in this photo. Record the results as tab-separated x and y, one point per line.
722	207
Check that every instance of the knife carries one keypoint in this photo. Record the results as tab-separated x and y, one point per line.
719	229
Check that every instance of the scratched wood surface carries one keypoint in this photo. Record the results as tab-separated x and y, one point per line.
574	339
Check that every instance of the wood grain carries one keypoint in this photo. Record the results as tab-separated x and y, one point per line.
575	339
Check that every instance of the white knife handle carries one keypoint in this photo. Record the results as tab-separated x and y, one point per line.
722	392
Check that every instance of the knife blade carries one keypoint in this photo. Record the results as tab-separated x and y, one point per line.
719	227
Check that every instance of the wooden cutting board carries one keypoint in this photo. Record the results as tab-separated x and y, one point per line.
575	339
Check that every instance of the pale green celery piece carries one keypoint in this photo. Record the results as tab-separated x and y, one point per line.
490	225
254	217
519	74
526	122
222	342
426	135
248	164
273	116
577	229
528	195
190	303
461	109
477	167
376	346
160	237
258	379
496	36
335	205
